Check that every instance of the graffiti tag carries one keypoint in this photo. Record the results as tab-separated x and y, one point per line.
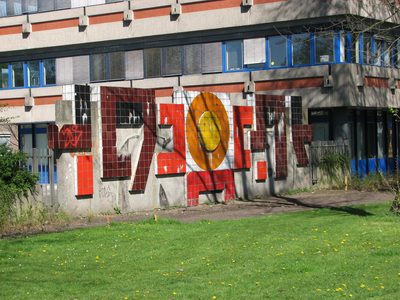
72	135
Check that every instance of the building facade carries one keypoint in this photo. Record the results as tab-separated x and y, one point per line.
164	102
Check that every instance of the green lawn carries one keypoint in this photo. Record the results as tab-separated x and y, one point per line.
322	254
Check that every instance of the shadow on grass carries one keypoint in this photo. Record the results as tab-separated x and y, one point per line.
282	201
352	211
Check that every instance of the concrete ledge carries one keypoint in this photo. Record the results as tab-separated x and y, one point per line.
290	73
213	79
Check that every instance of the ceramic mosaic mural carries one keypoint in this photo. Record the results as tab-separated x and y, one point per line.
210	138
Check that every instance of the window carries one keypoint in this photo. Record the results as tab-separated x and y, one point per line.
14	7
109	66
4	81
355	49
387	54
321	131
152	58
33	73
254	53
62	4
30	6
78	3
211	54
324	47
172	61
38	73
5	138
192	59
17	74
49	71
99	67
45	5
277	51
301	49
116	62
134	64
95	2
367	49
343	43
234	55
378	46
3	8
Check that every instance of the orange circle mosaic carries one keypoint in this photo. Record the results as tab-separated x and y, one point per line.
207	159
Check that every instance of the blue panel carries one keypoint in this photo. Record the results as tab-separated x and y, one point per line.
353	167
382	165
337	47
362	167
391	168
372	165
44	174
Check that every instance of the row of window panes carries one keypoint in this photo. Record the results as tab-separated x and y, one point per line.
282	51
157	62
19	7
27	74
310	49
371	50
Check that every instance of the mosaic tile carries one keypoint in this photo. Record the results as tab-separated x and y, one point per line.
210	181
175	162
84	175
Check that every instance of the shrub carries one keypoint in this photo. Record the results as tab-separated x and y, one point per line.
14	180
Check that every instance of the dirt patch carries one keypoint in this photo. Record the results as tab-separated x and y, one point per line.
234	209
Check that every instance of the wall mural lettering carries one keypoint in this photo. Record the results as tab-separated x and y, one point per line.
141	110
301	134
84	176
270	110
209	137
82	105
175	162
69	137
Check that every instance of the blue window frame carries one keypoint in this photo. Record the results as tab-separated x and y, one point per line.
234	55
49	72
278	51
35	73
17	74
108	66
325	47
366	49
371	50
301	49
4	76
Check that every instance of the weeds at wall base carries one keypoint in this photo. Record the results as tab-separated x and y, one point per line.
33	217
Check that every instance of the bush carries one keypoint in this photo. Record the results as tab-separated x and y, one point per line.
334	167
14	180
